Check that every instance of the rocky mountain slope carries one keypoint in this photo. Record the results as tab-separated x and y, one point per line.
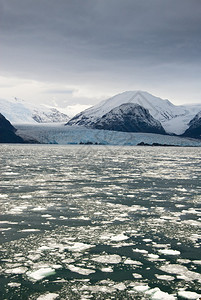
18	111
174	119
7	132
194	129
129	117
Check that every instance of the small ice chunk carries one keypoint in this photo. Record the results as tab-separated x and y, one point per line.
141	288
79	247
158	295
107	259
19	270
120	286
39	208
41	273
129	261
29	230
107	269
189	295
169	252
164	277
49	296
137	276
196	262
153	256
140	251
14	284
79	270
119	237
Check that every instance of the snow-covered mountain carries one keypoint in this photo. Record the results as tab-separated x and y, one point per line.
194	129
18	111
174	119
129	117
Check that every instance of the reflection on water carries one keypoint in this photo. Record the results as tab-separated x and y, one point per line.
95	222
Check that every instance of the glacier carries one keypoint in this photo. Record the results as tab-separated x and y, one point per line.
59	133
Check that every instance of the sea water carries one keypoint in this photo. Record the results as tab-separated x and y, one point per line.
97	222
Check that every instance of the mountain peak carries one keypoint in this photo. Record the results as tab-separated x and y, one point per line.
129	117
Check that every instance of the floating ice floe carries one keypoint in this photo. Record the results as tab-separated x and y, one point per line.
164	277
107	269
49	296
141	288
181	271
14	284
41	273
39	208
196	262
129	261
137	276
189	295
155	293
169	252
140	251
19	270
29	230
79	247
107	259
153	256
119	237
82	271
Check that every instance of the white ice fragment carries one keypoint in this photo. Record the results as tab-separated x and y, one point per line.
169	252
108	259
141	288
41	273
164	277
197	262
14	284
82	271
19	270
153	256
120	286
189	295
43	248
140	251
107	269
39	208
159	295
137	276
29	230
49	296
129	261
78	247
119	237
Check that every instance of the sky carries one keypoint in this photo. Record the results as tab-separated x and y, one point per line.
74	53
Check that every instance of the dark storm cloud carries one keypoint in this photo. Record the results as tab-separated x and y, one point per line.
80	39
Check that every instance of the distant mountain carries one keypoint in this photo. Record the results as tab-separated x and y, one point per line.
7	132
194	129
129	117
18	111
174	119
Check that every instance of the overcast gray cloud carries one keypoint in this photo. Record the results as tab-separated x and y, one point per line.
108	45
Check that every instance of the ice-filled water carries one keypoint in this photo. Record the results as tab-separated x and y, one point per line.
97	222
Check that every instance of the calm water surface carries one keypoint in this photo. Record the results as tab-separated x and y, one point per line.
95	222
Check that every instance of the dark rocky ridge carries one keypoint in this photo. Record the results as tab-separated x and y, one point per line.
7	132
129	117
194	129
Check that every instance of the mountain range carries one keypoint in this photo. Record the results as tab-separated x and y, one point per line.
134	111
174	119
19	111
